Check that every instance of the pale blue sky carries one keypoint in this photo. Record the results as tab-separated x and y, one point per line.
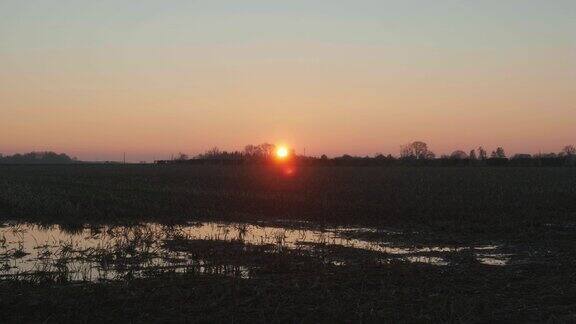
455	23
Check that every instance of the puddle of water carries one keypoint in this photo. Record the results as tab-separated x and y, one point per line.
96	254
427	259
109	253
494	259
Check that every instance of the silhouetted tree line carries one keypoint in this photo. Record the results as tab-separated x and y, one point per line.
37	158
412	154
252	154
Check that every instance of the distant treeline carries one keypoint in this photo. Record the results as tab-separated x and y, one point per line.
412	154
415	153
37	158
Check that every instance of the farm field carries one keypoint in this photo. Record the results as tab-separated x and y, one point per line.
254	243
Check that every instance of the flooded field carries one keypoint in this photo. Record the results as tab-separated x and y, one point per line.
331	244
113	253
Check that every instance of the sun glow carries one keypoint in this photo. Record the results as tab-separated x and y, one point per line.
282	152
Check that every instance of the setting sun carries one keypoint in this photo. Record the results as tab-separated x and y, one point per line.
282	152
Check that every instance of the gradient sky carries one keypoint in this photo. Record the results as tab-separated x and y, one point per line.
96	78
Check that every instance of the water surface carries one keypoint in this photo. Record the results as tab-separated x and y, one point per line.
120	252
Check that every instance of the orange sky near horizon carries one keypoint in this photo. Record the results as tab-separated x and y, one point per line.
156	88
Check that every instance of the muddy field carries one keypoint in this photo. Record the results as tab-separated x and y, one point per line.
209	243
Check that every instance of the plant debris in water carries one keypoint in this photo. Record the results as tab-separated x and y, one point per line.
116	252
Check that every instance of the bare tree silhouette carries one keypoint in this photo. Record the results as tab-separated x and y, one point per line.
568	150
182	157
416	150
499	153
482	155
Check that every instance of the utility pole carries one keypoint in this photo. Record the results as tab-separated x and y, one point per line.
124	158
